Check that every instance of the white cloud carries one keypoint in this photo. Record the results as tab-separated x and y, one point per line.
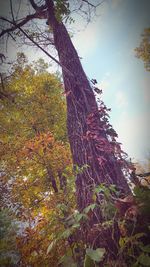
145	89
121	99
134	133
104	84
86	40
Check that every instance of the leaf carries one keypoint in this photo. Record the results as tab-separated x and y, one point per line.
62	207
113	188
122	242
144	259
51	246
90	207
80	216
102	189
67	261
72	265
96	255
146	248
88	262
137	236
76	225
66	233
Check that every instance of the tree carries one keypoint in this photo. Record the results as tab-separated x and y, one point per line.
35	164
92	139
143	172
143	51
33	117
9	255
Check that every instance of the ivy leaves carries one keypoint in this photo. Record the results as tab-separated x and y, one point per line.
93	256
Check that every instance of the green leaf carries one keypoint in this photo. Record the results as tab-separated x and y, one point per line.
66	233
96	255
102	189
67	261
76	225
80	216
122	242
137	236
90	207
112	187
62	207
144	259
51	246
88	262
146	248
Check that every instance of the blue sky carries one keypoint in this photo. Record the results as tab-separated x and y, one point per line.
106	46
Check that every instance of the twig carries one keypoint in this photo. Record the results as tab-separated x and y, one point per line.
18	26
11	8
15	26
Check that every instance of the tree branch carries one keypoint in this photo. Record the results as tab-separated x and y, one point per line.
17	26
3	94
2	57
143	174
86	1
2	83
35	6
11	8
36	15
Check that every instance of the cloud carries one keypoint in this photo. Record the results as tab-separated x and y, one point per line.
85	41
87	37
134	133
104	84
121	99
145	89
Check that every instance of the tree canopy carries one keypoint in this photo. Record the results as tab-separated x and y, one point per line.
143	51
38	205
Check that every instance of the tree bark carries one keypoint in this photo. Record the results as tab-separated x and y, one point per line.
86	132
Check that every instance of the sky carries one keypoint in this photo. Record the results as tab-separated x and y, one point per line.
106	46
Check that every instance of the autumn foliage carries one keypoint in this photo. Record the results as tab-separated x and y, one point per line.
39	221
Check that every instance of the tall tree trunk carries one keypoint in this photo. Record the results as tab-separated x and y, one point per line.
86	124
92	140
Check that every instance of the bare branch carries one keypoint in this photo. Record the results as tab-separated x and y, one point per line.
11	8
2	83
36	7
18	9
15	26
12	36
33	4
2	57
90	4
3	94
143	174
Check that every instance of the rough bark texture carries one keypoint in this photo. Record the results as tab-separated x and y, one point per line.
90	141
87	135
